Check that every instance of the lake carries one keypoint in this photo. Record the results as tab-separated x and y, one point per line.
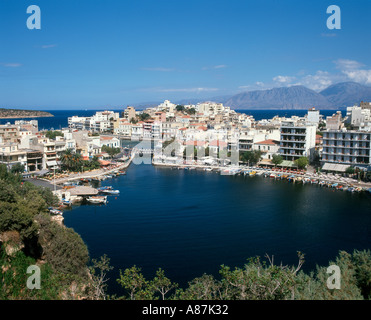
191	222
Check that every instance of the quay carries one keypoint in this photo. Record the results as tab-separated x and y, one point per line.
276	173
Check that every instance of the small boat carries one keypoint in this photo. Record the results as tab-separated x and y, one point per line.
55	211
208	169
97	199
66	202
350	189
104	188
108	189
112	191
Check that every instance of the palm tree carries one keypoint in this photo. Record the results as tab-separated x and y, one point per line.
77	161
66	158
71	160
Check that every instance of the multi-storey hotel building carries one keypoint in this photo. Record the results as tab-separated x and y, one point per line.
297	140
347	147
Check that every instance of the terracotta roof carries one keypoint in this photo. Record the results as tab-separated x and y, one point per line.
269	141
218	143
202	128
195	143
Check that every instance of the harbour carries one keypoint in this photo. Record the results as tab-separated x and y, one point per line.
189	222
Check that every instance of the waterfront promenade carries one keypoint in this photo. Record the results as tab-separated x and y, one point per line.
326	177
92	174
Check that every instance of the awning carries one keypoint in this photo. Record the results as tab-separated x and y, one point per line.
287	164
52	163
104	163
335	167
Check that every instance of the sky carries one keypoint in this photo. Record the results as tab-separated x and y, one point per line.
105	53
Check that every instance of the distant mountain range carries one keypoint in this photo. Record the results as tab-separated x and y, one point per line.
336	96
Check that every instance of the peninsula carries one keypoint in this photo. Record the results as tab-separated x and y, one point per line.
17	113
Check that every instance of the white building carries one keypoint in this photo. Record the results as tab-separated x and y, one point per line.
347	147
297	140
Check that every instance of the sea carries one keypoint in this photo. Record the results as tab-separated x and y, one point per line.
190	222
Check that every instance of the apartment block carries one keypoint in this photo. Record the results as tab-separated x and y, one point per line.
347	147
297	140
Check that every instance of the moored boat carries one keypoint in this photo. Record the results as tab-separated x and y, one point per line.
97	199
55	211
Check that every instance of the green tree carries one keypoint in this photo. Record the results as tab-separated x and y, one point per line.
144	116
162	284
98	271
251	157
190	111
302	162
14	217
314	285
111	150
63	248
179	108
134	282
17	168
205	287
277	159
53	134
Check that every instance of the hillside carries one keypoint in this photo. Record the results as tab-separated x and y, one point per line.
336	96
347	94
295	97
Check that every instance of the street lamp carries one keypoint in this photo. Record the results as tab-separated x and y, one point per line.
54	180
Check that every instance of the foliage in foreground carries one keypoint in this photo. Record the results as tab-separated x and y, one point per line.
259	280
63	258
28	236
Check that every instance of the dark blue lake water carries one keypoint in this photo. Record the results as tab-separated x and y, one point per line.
191	222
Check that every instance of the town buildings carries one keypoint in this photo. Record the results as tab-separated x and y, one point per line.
200	132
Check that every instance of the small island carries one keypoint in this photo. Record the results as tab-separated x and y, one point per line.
17	113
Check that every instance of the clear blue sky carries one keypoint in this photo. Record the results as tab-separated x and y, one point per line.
114	53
